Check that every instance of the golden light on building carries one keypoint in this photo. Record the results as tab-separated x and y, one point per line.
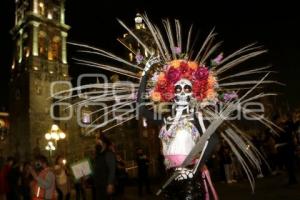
41	8
35	7
27	52
130	57
49	16
139	22
50	54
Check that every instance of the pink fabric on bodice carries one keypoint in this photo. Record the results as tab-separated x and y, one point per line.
175	160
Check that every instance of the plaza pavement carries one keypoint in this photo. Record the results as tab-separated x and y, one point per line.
267	188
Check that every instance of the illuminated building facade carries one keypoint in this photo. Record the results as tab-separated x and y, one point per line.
40	58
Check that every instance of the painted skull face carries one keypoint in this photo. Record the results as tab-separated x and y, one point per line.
183	92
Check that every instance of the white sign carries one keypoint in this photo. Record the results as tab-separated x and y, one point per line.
81	169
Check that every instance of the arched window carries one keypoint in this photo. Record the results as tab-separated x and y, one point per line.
86	116
43	44
41	8
55	47
56	13
19	52
26	51
26	47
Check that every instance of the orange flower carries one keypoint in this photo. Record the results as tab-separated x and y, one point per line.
210	94
175	63
161	76
155	96
211	80
193	65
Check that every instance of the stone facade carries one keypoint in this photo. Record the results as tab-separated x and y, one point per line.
39	59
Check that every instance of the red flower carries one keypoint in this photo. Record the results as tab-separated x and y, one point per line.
161	84
201	73
173	75
184	68
200	89
188	74
168	93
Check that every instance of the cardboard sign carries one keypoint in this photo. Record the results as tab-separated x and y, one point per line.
81	169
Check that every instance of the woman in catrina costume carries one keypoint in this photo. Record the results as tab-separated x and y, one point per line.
202	89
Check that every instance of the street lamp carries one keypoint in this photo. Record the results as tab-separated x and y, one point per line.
50	147
54	135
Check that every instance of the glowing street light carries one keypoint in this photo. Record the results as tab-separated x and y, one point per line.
55	133
52	137
50	147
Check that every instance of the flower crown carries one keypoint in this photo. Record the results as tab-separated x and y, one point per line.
203	81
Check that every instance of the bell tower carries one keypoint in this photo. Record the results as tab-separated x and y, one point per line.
40	58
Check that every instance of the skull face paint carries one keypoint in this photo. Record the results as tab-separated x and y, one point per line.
183	92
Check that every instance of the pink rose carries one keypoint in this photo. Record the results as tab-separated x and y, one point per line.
201	73
173	75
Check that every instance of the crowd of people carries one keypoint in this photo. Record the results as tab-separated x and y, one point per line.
281	151
40	180
28	180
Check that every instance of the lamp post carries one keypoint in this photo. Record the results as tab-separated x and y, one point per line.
50	147
52	137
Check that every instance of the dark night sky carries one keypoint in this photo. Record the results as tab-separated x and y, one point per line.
273	25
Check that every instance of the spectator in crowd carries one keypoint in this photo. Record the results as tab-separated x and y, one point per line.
13	179
143	175
104	168
26	180
63	185
2	161
289	150
80	189
5	190
226	160
296	120
257	143
237	172
121	175
271	153
44	180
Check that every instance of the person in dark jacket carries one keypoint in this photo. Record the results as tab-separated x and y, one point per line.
289	150
121	175
104	169
143	176
26	179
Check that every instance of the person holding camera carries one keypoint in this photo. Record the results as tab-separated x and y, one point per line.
44	180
